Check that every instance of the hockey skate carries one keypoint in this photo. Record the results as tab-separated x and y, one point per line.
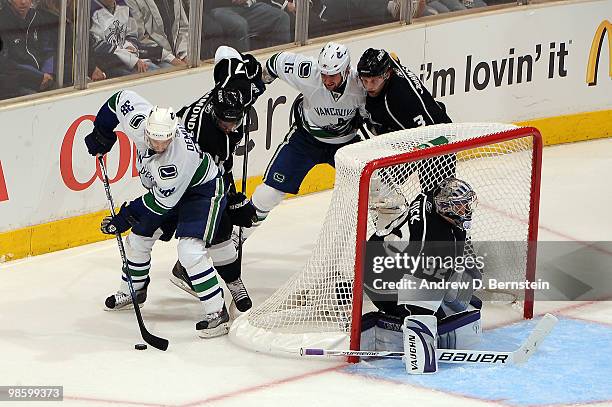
215	324
123	301
240	295
180	278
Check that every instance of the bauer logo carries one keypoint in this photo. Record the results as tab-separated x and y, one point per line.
595	54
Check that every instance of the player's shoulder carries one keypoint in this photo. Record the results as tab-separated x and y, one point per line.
404	79
129	103
355	87
301	67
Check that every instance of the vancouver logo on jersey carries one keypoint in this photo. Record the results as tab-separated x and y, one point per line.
168	171
137	120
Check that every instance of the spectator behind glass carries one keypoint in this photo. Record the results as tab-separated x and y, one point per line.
212	34
96	62
434	7
347	15
30	47
316	21
255	24
116	33
163	31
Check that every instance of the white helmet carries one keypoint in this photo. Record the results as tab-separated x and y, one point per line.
334	58
161	124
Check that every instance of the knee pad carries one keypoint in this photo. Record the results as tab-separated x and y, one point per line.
265	198
138	248
192	255
223	253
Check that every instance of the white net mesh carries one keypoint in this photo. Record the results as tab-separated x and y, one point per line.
313	309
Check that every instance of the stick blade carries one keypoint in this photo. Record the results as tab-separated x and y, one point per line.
155	341
539	333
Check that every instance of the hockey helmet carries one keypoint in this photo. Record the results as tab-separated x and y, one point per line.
228	105
160	128
334	59
456	200
373	62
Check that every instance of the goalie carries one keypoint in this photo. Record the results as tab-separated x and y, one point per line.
425	312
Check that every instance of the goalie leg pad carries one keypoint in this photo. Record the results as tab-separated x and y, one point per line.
381	332
265	198
203	276
138	254
460	331
420	344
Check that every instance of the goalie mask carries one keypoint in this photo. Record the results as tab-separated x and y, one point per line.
228	108
456	200
334	59
160	128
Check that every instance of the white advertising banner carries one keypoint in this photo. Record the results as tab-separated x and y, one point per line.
514	65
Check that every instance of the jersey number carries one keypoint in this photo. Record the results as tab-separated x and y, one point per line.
289	67
240	69
126	107
419	120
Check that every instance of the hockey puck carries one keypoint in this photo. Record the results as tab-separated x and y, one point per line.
140	346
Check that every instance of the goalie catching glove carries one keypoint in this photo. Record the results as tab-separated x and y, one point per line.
240	210
121	222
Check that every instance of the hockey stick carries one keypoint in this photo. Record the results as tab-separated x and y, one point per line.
155	341
519	356
243	182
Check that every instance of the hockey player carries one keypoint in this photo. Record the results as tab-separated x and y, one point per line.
184	189
326	119
397	100
217	121
432	228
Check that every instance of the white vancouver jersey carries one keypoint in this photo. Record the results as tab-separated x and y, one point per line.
167	175
325	114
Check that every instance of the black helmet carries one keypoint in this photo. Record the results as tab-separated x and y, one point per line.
373	62
228	104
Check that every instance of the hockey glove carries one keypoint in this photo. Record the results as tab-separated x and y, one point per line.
240	210
253	67
100	141
121	222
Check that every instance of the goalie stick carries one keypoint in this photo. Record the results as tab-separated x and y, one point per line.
155	341
486	357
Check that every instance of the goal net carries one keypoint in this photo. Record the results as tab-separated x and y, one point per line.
321	305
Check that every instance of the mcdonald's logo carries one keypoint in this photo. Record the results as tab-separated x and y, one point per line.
598	40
